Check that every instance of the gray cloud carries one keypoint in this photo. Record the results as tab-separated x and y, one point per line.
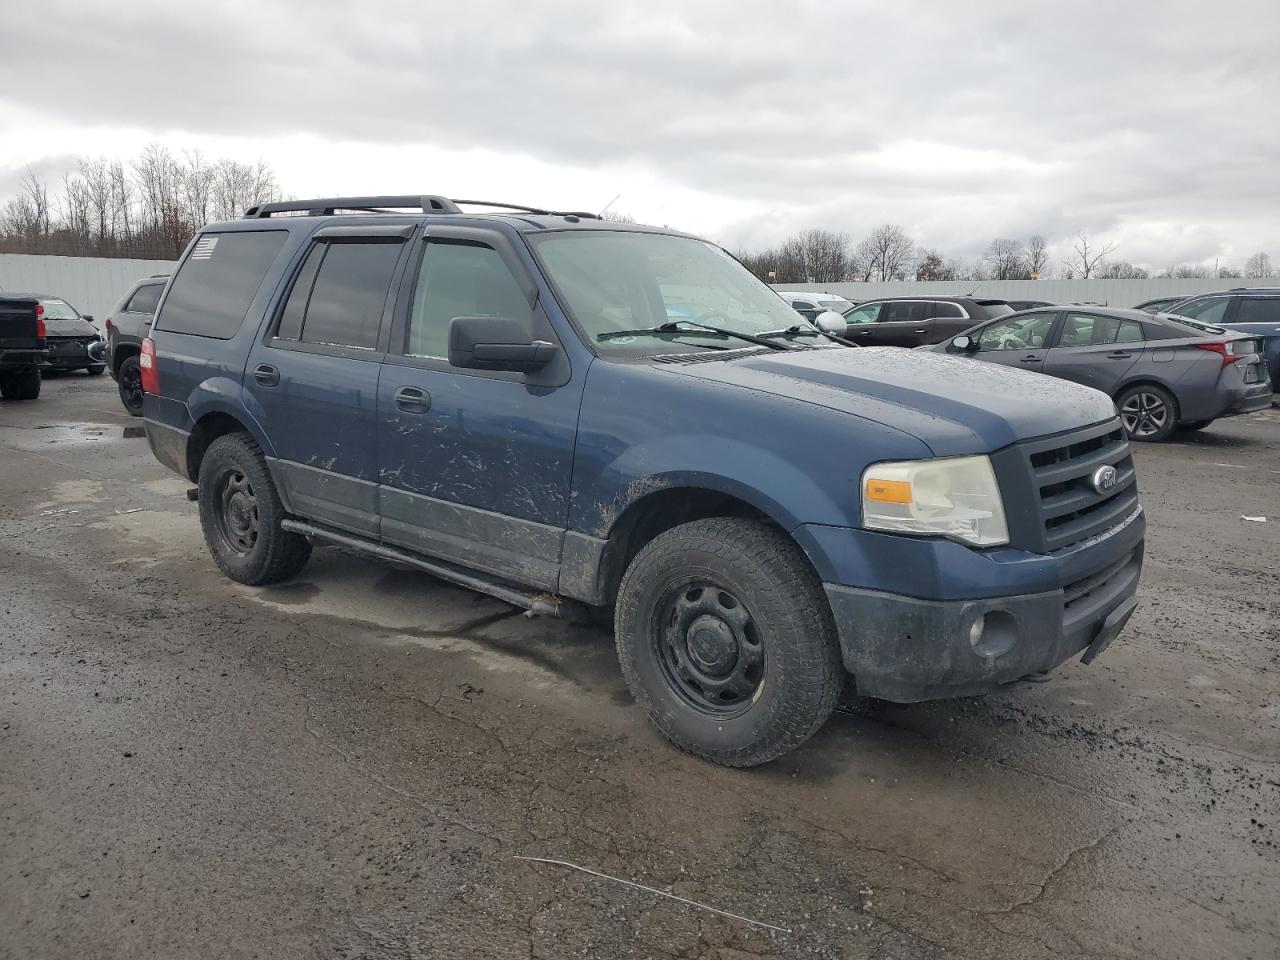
1150	121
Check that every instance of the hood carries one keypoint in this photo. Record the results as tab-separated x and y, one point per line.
955	405
74	327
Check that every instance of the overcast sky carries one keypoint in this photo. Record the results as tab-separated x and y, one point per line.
1155	125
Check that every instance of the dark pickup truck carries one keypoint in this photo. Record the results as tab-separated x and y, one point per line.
506	401
22	348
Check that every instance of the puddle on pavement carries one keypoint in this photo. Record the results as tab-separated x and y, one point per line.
63	435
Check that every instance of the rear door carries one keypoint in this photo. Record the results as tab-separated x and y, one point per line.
949	319
903	323
313	378
474	465
1094	350
1021	341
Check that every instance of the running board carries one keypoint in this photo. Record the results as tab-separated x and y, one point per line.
534	604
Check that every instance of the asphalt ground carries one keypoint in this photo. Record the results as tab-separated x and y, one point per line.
350	764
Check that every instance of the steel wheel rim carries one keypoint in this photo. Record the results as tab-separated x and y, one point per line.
131	386
709	648
1144	414
237	512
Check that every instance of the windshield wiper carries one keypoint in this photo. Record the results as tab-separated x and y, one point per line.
798	330
690	326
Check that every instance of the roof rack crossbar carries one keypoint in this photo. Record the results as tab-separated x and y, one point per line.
426	203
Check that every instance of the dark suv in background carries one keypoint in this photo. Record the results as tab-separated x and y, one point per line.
505	400
127	326
915	321
1255	311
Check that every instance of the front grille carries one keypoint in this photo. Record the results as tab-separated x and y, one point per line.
1063	507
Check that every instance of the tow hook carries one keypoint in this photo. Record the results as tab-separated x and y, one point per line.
193	494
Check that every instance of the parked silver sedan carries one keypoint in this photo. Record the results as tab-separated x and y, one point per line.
1163	371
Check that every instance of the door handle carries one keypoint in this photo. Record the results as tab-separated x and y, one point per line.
267	375
1030	358
922	331
413	400
1119	355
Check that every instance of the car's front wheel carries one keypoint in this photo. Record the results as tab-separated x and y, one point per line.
240	514
726	639
129	383
1148	412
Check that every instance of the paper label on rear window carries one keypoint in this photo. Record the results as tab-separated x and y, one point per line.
204	248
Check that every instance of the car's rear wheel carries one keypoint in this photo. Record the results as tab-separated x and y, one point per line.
129	383
240	513
1190	425
24	385
726	639
1149	413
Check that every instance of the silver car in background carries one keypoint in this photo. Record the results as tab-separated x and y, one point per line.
1163	371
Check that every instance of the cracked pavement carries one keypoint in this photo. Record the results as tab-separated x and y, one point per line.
346	765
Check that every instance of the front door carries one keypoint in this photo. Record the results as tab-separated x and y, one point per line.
862	322
1093	350
313	380
1021	341
903	323
474	465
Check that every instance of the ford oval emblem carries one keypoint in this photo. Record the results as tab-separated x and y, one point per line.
1105	478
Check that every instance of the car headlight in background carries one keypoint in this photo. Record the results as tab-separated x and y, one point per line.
954	497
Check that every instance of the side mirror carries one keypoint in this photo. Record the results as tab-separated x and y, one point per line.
831	322
496	343
963	343
88	316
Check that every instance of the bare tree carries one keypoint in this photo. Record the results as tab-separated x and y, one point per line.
1006	260
617	216
1088	255
824	253
930	266
1259	266
1121	270
886	253
1187	271
1037	256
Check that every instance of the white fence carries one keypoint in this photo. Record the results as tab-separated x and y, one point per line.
1113	293
92	285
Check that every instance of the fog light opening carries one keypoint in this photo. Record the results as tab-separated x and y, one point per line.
994	634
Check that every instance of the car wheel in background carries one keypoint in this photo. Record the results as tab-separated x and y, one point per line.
1148	412
1190	425
726	639
21	386
129	383
240	513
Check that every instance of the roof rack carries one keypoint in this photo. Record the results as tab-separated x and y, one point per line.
426	203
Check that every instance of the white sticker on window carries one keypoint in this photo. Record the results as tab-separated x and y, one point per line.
204	248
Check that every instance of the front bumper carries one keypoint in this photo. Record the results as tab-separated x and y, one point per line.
905	649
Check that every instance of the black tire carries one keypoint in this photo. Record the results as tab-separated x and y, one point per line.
95	371
24	385
728	606
1149	413
129	383
1191	425
240	513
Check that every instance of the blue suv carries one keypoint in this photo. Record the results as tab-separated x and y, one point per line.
573	414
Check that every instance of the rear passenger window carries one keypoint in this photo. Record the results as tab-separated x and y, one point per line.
216	283
145	299
339	294
905	310
949	311
1130	332
1084	330
1259	310
460	280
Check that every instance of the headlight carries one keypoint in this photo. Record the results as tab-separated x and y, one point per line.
954	497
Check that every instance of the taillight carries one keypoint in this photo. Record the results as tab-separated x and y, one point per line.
106	324
147	364
1221	347
41	331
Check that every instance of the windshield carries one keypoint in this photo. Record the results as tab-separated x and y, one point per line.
612	282
59	310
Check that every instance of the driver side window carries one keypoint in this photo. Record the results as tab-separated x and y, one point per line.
1024	332
866	313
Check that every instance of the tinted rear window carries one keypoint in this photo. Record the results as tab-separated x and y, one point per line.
1259	310
217	282
145	300
338	297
